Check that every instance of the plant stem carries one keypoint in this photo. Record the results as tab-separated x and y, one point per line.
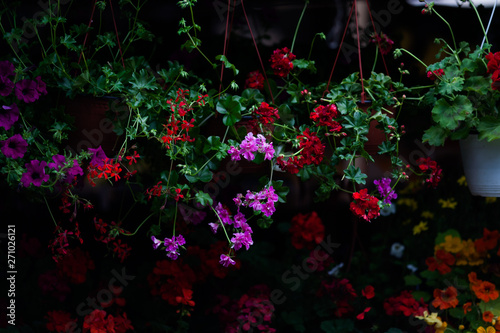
136	230
298	25
50	212
449	27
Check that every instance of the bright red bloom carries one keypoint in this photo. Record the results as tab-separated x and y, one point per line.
384	43
404	304
495	80
426	165
155	191
255	80
445	299
486	291
307	230
311	152
488	316
433	75
185	299
467	307
493	62
325	115
361	316
365	205
368	292
342	294
440	262
488	241
266	114
133	158
281	61
57	321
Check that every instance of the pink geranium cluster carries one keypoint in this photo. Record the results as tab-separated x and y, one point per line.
251	145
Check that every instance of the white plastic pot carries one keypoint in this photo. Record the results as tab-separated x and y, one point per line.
481	162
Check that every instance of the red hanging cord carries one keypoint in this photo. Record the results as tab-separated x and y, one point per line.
378	39
225	44
338	52
87	33
116	31
258	54
359	56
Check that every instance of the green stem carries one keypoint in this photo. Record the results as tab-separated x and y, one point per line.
222	224
136	230
50	212
298	25
480	21
449	27
414	57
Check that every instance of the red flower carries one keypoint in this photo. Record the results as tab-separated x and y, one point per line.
365	205
281	61
488	316
445	299
185	299
57	321
440	262
404	304
266	114
495	80
488	241
97	322
255	80
311	152
368	292
307	230
486	291
361	316
426	165
383	42
342	293
493	62
324	115
433	75
75	265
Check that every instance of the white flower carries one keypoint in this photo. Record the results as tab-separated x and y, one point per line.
336	270
397	250
412	268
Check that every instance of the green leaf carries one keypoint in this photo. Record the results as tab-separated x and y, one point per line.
449	86
412	280
227	64
435	136
355	175
449	115
203	199
489	128
231	108
143	80
337	325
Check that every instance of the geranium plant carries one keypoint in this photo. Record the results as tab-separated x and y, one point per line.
464	94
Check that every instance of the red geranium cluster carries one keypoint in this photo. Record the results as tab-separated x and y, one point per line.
494	69
266	114
281	61
108	234
103	167
325	115
384	43
440	262
177	128
307	230
60	245
433	75
59	321
98	321
404	304
342	293
311	151
365	205
426	165
75	264
255	80
158	190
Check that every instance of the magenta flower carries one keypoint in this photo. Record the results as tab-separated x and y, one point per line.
172	246
241	239
226	260
72	172
26	90
98	157
59	162
385	190
156	242
8	115
6	68
214	227
235	154
14	147
6	86
250	145
35	174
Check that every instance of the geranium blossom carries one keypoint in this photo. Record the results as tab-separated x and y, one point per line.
251	145
281	61
225	260
365	205
307	230
254	80
383	42
385	190
324	115
172	246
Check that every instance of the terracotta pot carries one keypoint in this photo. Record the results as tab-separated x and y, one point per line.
375	135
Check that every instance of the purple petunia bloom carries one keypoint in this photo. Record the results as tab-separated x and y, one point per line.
385	190
72	172
26	90
225	260
6	68
99	156
59	162
14	147
35	174
8	115
6	86
41	87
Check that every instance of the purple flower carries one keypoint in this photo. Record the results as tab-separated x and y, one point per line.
156	242
268	209
73	171
248	146
6	86
59	162
239	220
235	154
268	150
172	246
214	226
241	239
99	156
14	147
41	87
223	214
226	260
6	68
385	190
26	90
35	174
8	115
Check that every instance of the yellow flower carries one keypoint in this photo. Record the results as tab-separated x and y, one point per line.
462	181
427	215
412	203
442	328
431	319
489	329
449	203
453	244
461	327
422	226
491	199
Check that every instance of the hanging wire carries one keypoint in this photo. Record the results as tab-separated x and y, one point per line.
489	23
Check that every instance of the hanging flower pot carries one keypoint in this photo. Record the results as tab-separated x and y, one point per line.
375	135
481	160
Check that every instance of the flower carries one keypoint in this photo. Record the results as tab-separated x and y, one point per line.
172	246
6	68
225	260
282	61
307	230
422	226
397	250
14	147
445	299
35	174
255	80
383	42
365	205
385	190
27	90
6	86
368	292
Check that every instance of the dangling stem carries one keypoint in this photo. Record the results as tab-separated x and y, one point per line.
298	25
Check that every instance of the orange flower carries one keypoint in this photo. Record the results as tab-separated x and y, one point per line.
445	299
473	279
487	316
467	307
486	291
441	262
489	329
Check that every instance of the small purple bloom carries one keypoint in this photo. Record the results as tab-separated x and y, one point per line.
59	162
6	68
14	147
226	260
385	190
8	115
6	86
172	246
241	239
35	174
73	171
214	227
26	90
99	156
235	154
268	150
239	220
156	242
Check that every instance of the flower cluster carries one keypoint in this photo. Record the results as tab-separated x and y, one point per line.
383	41
494	69
404	304
431	168
108	234
266	114
100	321
307	230
365	205
102	167
282	61
255	80
385	190
249	146
311	151
262	201
172	245
325	115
